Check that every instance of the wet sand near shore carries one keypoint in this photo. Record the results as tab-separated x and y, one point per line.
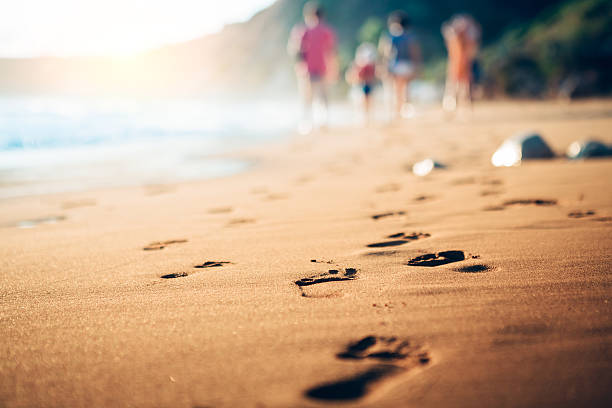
328	274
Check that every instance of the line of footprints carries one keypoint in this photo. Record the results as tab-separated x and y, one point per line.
387	358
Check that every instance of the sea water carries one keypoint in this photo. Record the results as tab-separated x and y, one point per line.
56	144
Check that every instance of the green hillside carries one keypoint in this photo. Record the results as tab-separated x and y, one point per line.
568	49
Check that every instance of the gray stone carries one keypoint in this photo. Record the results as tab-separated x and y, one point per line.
588	148
522	146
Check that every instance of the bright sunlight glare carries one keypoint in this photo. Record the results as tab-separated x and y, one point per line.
111	27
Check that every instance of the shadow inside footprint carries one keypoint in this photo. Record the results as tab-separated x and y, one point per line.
404	238
354	387
333	275
474	269
395	356
441	258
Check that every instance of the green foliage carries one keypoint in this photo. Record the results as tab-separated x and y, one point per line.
567	49
371	30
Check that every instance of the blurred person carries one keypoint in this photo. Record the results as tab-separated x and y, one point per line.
314	47
462	37
362	73
401	55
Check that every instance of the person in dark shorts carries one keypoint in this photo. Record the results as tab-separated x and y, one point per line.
362	73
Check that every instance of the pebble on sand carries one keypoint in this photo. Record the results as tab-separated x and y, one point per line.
426	166
522	146
588	148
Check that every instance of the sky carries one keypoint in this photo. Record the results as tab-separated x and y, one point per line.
111	27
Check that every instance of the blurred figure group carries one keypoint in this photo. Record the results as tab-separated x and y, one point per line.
396	62
462	37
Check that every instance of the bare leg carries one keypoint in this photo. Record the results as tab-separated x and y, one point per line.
320	92
400	94
367	105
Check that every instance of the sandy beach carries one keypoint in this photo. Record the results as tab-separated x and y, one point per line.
326	275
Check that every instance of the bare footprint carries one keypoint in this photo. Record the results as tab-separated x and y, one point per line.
331	261
156	246
581	214
487	193
333	275
441	258
494	208
389	188
174	275
220	210
492	182
530	201
399	239
388	214
207	264
212	264
423	198
394	357
240	221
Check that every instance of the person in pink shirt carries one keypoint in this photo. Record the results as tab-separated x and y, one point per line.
314	47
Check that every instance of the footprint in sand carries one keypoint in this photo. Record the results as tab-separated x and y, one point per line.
220	210
399	239
423	198
462	181
493	208
331	261
333	275
207	264
581	214
492	182
394	357
156	246
212	264
240	221
388	214
441	258
389	188
487	193
530	201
